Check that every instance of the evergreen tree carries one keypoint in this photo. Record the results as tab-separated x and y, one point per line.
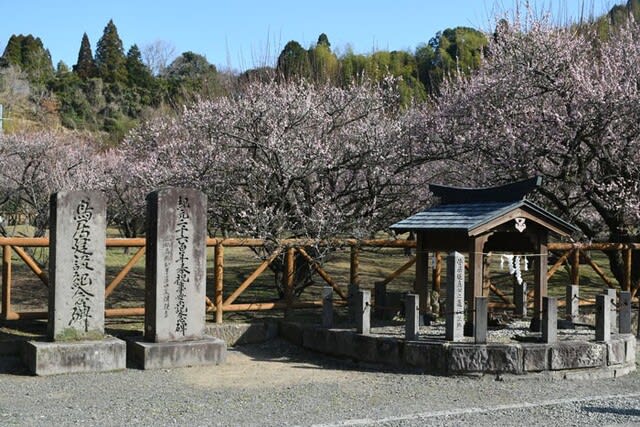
28	53
323	40
139	74
13	51
323	63
141	81
85	68
110	59
293	61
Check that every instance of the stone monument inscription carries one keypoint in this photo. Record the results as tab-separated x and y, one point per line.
77	265
176	265
454	319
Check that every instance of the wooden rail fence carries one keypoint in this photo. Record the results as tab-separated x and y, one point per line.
570	256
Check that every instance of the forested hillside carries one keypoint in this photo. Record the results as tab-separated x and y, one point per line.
110	89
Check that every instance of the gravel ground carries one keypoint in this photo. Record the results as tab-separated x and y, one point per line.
278	384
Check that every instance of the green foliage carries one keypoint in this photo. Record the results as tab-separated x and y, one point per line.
112	91
141	81
323	63
191	75
293	62
452	52
28	53
85	68
62	68
352	67
323	40
110	59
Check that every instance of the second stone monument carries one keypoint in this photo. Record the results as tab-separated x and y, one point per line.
174	332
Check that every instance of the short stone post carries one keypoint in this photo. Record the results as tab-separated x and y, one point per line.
77	250
175	269
624	315
603	318
480	320
572	306
454	319
520	298
549	320
363	318
327	307
380	298
412	316
613	306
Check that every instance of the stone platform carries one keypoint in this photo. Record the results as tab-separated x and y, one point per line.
60	357
574	355
176	354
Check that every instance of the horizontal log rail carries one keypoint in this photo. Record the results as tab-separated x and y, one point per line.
570	255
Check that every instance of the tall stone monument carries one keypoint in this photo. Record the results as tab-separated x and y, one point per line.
454	319
175	270
77	250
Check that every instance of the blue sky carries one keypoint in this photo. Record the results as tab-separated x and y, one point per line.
242	34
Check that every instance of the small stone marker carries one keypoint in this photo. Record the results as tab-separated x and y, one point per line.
175	285
572	307
352	297
77	265
380	297
549	320
327	307
175	265
603	318
613	306
624	316
363	317
480	320
454	320
520	298
412	316
76	291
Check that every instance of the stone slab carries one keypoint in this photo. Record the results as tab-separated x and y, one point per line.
175	266
535	357
316	339
573	355
427	356
291	332
59	357
364	347
630	348
77	265
615	352
505	358
466	358
243	333
177	354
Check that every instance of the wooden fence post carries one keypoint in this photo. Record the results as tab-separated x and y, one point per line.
289	271
218	262
354	279
627	270
6	281
575	267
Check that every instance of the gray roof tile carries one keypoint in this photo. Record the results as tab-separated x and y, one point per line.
468	216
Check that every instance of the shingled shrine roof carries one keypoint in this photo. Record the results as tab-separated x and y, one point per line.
473	209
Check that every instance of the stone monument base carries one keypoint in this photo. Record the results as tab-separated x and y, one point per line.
65	357
177	354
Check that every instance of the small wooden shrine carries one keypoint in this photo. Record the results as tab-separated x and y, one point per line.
480	220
